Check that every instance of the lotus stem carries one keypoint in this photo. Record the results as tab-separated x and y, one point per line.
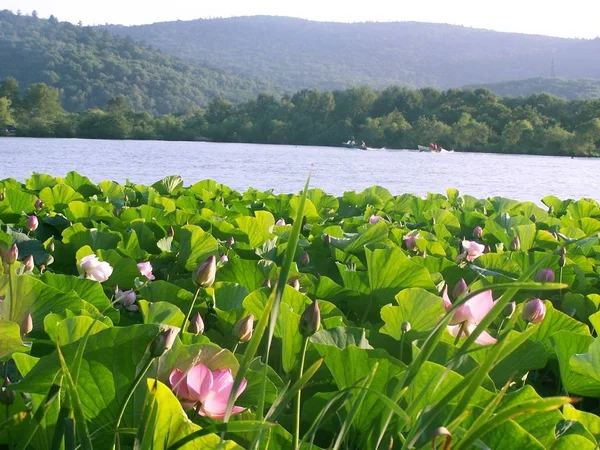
189	313
299	395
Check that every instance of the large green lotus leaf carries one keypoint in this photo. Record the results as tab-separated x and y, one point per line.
499	265
52	321
583	208
560	206
88	290
324	203
526	235
566	344
58	197
77	236
195	245
146	237
328	289
590	421
544	239
291	339
595	318
242	271
588	363
149	214
445	218
167	423
351	364
130	246
252	392
10	340
29	295
354	280
78	211
81	184
528	209
72	329
584	306
229	296
30	246
355	244
422	309
258	228
541	424
164	203
310	210
509	436
125	270
20	201
554	321
573	441
163	291
390	271
161	312
377	196
38	181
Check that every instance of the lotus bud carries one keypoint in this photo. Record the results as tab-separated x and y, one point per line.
441	431
374	219
534	311
405	327
126	198
26	325
29	263
545	276
515	244
230	242
326	240
196	324
280	222
204	275
32	223
509	309
2	196
267	283
305	259
171	232
7	397
310	320
242	330
460	288
126	298
410	242
533	218
11	255
477	232
39	204
550	209
563	257
51	247
116	212
223	259
163	342
432	220
295	283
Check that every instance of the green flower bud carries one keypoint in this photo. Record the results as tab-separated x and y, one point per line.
242	331
310	320
163	342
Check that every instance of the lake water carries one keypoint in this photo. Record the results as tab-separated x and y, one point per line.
284	168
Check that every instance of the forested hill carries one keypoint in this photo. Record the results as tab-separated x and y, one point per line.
90	66
297	54
559	87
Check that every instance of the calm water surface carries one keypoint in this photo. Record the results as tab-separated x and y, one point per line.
284	168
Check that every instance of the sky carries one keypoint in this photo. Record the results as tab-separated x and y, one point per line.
575	18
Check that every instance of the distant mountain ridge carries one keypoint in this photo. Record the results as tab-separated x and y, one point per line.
297	53
89	66
559	87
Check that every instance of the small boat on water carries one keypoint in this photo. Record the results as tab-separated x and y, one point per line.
349	144
433	148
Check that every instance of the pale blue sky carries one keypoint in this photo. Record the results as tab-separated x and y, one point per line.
575	18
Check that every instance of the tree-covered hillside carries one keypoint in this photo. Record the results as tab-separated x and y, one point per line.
559	87
90	66
297	54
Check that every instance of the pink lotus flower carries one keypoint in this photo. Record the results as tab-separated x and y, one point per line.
94	269
469	314
145	269
32	223
472	251
205	390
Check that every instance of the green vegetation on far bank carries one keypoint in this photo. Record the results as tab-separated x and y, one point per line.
464	120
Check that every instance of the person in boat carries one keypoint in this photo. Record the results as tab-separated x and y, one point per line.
363	145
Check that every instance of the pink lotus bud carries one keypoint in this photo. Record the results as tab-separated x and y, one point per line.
242	331
205	273
509	309
295	283
171	232
515	244
32	223
29	263
51	247
39	204
410	242
374	219
196	324
11	255
126	298
534	311
230	242
305	259
267	283
477	232
26	325
460	288
545	276
310	320
7	397
223	259
163	342
280	222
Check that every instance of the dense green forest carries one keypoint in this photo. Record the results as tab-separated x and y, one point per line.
559	87
298	54
468	120
90	66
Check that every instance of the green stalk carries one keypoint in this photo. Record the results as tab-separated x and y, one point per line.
132	389
10	290
299	395
189	313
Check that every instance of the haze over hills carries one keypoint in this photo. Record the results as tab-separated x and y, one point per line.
296	53
559	87
90	66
